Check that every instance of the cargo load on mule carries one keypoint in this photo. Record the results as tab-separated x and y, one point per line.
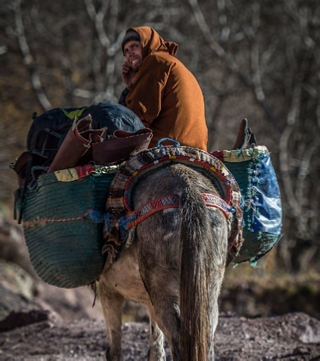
252	167
92	125
64	176
76	182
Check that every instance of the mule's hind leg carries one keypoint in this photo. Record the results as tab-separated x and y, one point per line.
167	315
156	350
159	270
112	303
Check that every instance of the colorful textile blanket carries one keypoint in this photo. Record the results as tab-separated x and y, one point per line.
116	232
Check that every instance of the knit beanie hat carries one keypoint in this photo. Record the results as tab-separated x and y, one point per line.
130	35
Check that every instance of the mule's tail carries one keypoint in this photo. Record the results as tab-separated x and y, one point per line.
203	254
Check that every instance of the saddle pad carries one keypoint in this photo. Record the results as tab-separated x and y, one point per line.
119	200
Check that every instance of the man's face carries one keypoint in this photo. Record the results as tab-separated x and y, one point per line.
133	53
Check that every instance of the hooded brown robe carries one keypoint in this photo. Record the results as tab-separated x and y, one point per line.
166	96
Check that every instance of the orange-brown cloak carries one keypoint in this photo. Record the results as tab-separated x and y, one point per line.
166	96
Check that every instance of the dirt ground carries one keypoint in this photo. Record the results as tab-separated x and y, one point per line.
293	336
42	322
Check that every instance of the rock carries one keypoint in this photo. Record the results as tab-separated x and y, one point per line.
304	328
21	288
18	319
17	289
14	278
12	245
267	338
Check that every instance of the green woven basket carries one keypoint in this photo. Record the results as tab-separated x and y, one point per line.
62	222
262	211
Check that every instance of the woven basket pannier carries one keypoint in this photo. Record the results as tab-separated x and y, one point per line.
262	208
62	222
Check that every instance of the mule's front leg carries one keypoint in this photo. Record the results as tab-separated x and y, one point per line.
112	303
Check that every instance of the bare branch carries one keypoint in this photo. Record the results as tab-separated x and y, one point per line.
98	18
256	78
27	56
302	188
284	152
285	171
223	20
231	64
206	30
294	111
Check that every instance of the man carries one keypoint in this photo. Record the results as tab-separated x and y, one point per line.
161	90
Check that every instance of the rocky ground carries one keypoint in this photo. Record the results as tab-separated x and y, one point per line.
42	322
293	336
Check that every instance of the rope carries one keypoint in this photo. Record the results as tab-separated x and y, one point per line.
44	221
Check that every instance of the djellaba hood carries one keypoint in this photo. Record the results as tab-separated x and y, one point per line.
152	42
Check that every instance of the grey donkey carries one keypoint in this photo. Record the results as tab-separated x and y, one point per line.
175	266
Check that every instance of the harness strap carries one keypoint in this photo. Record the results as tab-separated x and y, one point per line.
133	218
211	200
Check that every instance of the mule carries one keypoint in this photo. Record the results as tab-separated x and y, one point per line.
175	266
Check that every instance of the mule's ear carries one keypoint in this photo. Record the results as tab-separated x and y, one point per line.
245	136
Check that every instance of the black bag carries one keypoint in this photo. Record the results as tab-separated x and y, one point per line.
48	130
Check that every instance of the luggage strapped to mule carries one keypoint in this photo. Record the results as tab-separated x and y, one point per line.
49	129
103	134
252	167
250	198
63	216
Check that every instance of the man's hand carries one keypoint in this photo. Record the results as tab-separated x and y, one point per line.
128	75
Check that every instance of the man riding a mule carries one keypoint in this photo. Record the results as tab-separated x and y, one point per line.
173	221
172	216
161	90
